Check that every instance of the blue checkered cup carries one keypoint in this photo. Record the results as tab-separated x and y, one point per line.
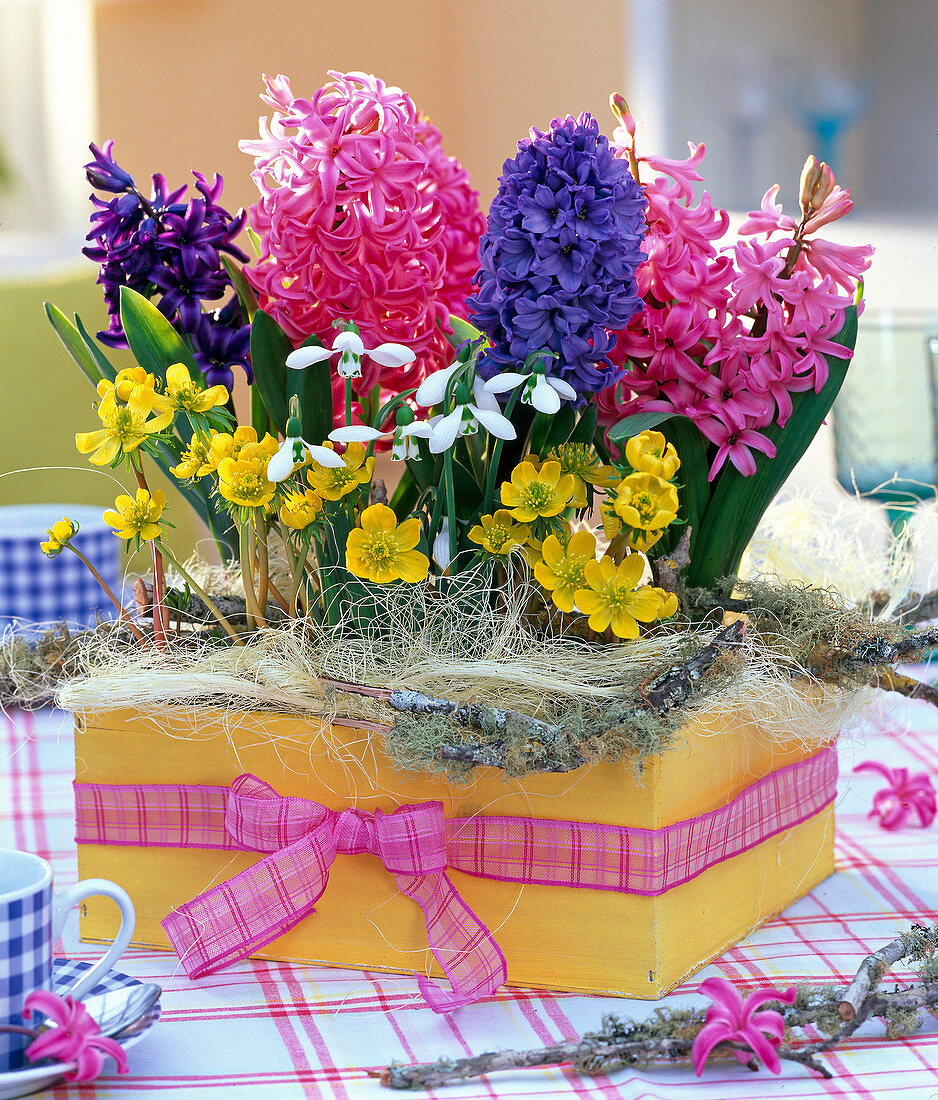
31	920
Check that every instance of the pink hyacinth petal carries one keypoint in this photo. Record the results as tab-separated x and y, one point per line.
731	1019
361	215
76	1040
709	1036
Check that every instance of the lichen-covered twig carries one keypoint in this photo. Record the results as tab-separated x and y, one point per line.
674	687
666	691
670	1035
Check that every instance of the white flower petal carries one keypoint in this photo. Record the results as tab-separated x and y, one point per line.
445	433
304	357
350	342
502	383
482	397
441	546
563	388
544	397
282	464
356	433
421	428
432	389
324	456
494	423
392	355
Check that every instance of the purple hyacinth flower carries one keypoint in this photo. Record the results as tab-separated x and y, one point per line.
105	173
220	342
169	245
559	256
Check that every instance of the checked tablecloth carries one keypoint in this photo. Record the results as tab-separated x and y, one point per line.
277	1030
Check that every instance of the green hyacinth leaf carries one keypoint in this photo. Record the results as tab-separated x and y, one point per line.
632	425
270	347
313	387
73	343
243	288
693	489
738	503
104	364
463	331
155	344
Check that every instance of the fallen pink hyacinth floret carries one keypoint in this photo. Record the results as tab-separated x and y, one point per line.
732	1019
75	1038
905	793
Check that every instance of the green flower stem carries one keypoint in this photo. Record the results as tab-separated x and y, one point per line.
450	504
263	559
160	611
124	614
247	576
206	599
299	571
348	402
436	513
495	458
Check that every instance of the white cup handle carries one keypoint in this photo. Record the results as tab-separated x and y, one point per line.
62	905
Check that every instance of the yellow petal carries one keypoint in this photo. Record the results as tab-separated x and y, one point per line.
378	519
412	566
90	441
107	452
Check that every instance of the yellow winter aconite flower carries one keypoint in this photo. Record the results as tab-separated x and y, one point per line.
610	597
646	501
382	550
562	570
243	480
59	535
668	603
333	483
184	393
125	427
499	534
535	493
299	509
128	380
137	516
228	445
649	452
581	461
194	461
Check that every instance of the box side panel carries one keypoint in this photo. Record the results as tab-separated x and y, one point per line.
702	918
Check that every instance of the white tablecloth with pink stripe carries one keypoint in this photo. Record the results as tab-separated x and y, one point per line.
278	1031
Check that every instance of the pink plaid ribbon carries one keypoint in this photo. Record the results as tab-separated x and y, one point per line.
230	921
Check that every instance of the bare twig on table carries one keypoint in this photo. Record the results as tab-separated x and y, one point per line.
889	680
627	1042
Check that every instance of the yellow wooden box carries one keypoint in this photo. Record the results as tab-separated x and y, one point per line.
581	940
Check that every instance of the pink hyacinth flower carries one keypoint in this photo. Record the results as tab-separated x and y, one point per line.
905	793
731	1019
75	1038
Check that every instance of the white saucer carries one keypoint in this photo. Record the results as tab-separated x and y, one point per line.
23	1082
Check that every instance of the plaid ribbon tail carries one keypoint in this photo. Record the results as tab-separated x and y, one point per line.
230	921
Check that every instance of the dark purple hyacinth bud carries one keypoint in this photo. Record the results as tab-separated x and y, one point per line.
559	256
222	341
168	246
105	173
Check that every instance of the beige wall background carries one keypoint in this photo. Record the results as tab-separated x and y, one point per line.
178	80
177	85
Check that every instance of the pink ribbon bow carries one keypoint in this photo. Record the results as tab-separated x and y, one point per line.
228	922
